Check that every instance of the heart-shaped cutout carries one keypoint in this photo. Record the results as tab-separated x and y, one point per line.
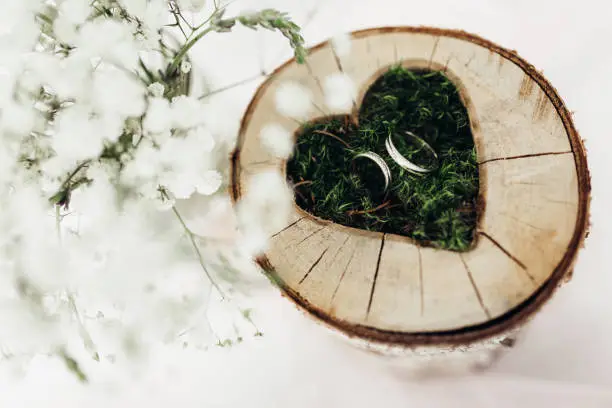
435	209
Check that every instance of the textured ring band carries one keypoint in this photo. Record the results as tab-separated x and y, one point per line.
380	162
406	164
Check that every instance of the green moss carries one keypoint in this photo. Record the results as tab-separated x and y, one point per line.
437	209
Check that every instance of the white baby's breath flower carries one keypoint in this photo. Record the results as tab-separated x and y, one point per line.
118	93
267	204
68	78
111	39
186	112
142	167
65	30
340	91
157	89
192	5
253	242
17	118
203	138
148	39
151	13
75	11
110	126
185	67
277	140
341	44
158	118
179	185
293	100
76	137
54	168
209	183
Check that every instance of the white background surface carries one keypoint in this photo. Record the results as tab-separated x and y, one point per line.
565	356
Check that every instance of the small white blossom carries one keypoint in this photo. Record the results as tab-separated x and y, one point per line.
192	5
203	138
17	118
151	13
76	121
341	44
186	112
209	183
75	11
254	242
110	39
340	91
158	118
267	204
277	140
65	30
110	126
157	89
293	100
107	84
185	67
179	185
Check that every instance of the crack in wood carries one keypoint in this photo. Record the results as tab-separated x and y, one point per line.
433	52
382	245
500	63
316	78
314	265
288	226
508	254
337	59
321	110
470	60
343	273
296	121
512	217
478	295
522	183
552	200
421	289
445	69
256	163
253	167
332	260
311	234
523	156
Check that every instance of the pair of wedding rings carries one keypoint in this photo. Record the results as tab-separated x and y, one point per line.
401	160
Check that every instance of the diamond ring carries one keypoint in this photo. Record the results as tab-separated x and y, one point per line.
380	162
412	146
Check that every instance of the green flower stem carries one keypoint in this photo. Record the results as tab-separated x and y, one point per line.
181	54
85	336
196	248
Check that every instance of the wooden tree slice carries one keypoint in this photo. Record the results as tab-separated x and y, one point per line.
534	186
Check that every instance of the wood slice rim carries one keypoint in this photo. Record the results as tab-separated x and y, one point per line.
498	325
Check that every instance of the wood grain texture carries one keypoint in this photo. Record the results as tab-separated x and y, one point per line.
534	187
